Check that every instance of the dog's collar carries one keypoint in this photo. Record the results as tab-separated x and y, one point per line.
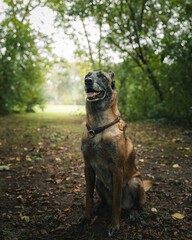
94	131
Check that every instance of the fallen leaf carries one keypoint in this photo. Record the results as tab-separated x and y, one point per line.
61	227
177	140
150	176
43	232
177	216
69	156
48	179
58	180
61	148
68	210
141	160
93	220
154	210
179	148
162	164
20	198
58	159
28	158
25	218
76	189
187	148
4	168
176	166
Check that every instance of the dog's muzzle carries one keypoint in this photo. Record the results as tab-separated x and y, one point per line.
93	91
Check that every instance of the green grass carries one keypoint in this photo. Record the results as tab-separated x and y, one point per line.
40	119
65	109
23	129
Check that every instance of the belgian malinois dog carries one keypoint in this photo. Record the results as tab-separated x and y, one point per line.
109	155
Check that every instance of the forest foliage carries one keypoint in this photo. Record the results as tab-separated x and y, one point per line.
153	40
21	64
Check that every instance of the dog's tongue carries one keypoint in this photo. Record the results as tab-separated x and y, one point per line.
91	94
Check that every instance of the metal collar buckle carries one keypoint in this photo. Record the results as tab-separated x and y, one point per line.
91	133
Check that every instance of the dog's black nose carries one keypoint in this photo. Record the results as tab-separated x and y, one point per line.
88	81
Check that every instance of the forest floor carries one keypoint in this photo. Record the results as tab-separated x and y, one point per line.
42	186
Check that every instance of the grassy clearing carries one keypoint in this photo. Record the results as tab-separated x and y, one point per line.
64	109
19	133
34	120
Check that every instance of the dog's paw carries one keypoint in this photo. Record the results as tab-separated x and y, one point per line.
112	230
83	220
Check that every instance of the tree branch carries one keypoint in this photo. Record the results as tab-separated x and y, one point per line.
88	43
136	60
141	14
27	10
140	54
99	44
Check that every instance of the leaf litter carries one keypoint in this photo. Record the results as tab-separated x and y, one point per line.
42	192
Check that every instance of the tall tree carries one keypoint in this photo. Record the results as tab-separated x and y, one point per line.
156	36
125	24
21	64
87	35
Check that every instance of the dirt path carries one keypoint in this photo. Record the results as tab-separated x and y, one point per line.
42	183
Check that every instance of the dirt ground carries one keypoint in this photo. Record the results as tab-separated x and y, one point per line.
42	186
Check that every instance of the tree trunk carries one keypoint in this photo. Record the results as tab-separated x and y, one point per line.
155	83
99	45
137	26
89	45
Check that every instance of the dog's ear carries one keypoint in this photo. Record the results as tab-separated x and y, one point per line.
112	75
113	84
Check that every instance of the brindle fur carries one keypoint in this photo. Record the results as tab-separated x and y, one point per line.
109	156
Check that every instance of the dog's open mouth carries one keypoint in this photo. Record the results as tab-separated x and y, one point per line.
93	95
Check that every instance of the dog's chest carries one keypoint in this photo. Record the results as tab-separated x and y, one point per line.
101	156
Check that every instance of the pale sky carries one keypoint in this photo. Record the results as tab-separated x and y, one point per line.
42	19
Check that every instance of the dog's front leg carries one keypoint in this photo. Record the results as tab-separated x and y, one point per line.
116	203
90	183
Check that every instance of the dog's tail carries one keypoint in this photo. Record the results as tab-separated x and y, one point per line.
147	185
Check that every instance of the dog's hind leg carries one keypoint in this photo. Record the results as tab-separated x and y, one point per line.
137	192
133	194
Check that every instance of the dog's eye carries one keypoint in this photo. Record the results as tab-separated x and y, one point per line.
101	75
88	74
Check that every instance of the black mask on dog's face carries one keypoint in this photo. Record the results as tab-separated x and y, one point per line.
99	86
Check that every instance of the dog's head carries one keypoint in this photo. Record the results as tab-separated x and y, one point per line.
99	86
